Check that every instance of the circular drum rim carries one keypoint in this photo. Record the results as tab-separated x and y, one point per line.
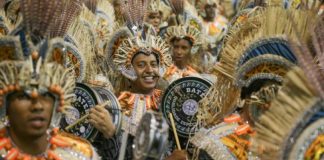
116	107
166	111
90	92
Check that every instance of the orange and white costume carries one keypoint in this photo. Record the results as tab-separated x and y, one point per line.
173	73
135	105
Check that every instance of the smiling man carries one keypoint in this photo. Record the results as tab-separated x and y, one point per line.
141	66
140	62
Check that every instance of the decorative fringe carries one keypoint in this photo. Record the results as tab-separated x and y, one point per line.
306	56
220	100
276	125
274	23
177	6
80	33
134	12
48	18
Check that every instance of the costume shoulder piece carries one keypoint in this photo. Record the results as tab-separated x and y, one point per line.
225	140
61	146
78	148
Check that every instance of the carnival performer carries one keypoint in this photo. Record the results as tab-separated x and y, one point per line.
85	42
215	24
36	89
183	40
139	63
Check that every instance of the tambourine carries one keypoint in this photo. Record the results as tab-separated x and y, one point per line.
181	99
151	137
86	98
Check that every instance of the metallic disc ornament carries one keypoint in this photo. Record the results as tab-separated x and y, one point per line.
151	137
181	99
87	98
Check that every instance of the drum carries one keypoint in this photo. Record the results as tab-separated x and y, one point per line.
181	99
86	98
151	137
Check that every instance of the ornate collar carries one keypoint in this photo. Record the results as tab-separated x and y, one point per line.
61	146
13	153
150	100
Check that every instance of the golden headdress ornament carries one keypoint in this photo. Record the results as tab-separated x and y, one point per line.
129	40
185	31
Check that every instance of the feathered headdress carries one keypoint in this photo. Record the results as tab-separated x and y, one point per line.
257	52
189	32
38	17
154	6
293	127
200	6
290	126
131	46
268	39
43	71
128	41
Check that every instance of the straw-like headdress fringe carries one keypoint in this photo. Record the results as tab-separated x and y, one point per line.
219	101
273	24
276	126
305	54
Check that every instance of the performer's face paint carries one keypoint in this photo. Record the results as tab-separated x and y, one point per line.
210	11
147	70
154	18
181	51
29	117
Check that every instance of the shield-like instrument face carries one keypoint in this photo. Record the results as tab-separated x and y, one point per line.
86	98
181	99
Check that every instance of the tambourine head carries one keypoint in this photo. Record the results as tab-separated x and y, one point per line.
85	99
181	100
151	137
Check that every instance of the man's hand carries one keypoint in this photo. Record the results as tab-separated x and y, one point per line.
100	118
177	155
